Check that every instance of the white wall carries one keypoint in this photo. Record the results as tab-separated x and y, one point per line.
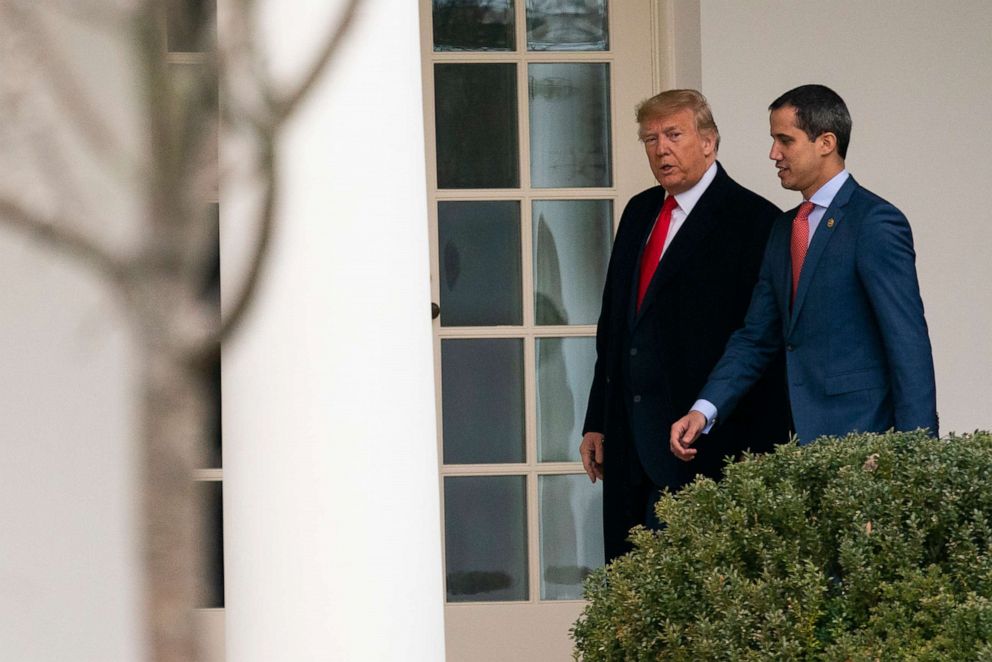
69	546
916	76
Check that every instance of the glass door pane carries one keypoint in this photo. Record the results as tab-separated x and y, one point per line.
187	22
570	125
480	265
482	400
473	25
564	376
571	534
475	109
572	241
485	538
577	25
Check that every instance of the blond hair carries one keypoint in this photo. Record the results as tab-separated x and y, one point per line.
670	102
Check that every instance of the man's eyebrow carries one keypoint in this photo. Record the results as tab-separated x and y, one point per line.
665	129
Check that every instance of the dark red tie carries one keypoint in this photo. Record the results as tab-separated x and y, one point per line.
800	242
652	252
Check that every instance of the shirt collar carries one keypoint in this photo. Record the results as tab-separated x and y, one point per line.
688	199
826	193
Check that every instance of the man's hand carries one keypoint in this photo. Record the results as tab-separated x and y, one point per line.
591	452
685	431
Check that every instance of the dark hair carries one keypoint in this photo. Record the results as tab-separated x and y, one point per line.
819	110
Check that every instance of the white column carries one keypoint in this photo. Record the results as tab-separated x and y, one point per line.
332	525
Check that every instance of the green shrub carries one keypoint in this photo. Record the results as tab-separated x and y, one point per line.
870	547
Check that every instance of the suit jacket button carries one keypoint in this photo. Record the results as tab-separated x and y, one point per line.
637	398
788	348
633	351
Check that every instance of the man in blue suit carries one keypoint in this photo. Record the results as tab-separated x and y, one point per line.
837	290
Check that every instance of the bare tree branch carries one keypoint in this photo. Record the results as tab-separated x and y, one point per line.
196	125
101	14
266	130
181	113
28	135
58	235
63	84
178	329
243	81
208	347
285	106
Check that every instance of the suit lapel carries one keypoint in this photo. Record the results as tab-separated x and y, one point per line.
784	289
696	227
824	232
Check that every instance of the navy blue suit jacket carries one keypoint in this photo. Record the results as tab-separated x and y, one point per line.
858	354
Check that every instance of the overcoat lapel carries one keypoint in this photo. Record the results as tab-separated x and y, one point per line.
703	220
642	239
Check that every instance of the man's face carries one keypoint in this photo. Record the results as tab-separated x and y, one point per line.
678	154
800	161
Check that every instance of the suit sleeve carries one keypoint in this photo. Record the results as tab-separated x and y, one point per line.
595	409
595	420
752	347
886	264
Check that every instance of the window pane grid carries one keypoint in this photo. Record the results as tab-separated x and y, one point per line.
532	470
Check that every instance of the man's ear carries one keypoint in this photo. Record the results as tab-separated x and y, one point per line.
827	143
708	138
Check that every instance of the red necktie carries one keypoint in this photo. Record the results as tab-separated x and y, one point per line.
800	242
652	252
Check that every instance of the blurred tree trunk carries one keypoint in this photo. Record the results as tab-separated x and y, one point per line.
159	279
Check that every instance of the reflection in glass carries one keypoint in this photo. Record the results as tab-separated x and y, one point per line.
190	81
571	534
573	25
485	538
212	543
482	400
475	109
473	25
564	376
187	25
210	295
480	263
570	125
572	240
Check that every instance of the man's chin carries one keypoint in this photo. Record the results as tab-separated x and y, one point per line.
674	186
787	185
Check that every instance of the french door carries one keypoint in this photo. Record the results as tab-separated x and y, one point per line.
533	151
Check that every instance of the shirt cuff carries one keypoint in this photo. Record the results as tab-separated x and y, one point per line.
707	409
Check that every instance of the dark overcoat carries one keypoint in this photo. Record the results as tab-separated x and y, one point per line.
652	362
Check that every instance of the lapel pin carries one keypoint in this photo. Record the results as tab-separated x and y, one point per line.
830	223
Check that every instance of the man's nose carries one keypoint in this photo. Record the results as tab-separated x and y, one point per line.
774	153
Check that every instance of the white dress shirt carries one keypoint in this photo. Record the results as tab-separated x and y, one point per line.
684	204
